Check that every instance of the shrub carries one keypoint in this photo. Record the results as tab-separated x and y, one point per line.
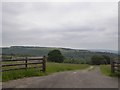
55	56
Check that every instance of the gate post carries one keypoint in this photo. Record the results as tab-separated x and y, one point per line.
26	62
112	67
44	64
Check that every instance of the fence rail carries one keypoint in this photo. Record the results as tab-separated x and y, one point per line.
22	59
115	66
24	63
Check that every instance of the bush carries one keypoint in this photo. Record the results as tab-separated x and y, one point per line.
107	58
55	56
97	60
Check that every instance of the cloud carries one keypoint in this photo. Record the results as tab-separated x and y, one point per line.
76	25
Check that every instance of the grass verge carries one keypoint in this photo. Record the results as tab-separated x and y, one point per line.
51	68
106	70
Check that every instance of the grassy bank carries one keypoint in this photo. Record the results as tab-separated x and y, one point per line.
51	68
106	70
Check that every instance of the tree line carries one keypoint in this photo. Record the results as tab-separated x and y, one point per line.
56	56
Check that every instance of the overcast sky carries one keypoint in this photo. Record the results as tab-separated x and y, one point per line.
86	25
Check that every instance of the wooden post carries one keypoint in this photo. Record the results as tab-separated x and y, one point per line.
112	67
26	63
44	64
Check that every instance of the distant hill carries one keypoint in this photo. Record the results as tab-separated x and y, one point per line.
83	55
103	50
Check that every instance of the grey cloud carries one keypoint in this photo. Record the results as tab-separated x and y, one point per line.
75	25
13	8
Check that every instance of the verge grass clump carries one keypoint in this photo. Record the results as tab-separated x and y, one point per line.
106	70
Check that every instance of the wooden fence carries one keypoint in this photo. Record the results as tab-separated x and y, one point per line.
24	63
115	66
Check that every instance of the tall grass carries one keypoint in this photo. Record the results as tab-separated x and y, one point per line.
15	74
106	70
51	68
57	67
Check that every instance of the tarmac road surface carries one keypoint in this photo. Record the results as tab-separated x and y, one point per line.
88	78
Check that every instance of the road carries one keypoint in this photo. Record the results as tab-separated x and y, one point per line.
89	78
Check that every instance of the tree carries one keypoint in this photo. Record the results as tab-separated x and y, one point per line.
55	56
97	60
107	58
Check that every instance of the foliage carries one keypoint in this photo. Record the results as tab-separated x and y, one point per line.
107	58
97	60
81	56
55	56
75	61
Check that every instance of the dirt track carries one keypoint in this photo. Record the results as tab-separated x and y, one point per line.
70	79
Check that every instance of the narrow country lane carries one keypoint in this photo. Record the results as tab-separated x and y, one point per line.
70	79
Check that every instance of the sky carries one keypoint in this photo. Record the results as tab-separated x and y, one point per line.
81	25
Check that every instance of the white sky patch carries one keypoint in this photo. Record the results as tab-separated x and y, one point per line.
90	25
59	0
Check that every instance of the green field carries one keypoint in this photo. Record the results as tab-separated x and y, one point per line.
106	70
51	68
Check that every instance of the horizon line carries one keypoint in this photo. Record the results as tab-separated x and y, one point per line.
56	47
